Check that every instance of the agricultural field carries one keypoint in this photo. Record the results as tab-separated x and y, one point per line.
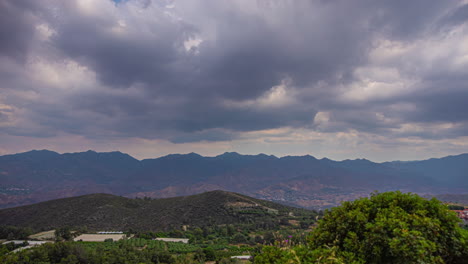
98	237
46	235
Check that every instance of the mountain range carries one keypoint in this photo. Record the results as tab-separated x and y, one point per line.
41	175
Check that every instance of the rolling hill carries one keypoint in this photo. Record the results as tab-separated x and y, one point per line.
110	212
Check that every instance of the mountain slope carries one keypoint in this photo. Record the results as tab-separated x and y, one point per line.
109	212
36	176
449	171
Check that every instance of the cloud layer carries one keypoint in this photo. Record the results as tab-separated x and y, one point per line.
281	75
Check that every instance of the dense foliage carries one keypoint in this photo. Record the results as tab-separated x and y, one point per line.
456	207
7	248
125	251
207	243
13	232
63	233
389	227
100	212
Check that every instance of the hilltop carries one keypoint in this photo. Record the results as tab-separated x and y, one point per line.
110	212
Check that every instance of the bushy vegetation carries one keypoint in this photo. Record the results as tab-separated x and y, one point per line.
9	247
207	243
13	232
108	212
125	251
246	225
456	207
388	227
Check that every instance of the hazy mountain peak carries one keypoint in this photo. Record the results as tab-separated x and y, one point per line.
266	156
230	154
178	156
29	176
39	151
36	154
304	157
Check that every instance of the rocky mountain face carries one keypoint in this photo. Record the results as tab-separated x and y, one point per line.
298	180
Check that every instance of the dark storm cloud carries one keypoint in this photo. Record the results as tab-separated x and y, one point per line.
143	54
151	83
17	21
247	59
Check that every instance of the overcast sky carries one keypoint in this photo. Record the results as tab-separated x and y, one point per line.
382	80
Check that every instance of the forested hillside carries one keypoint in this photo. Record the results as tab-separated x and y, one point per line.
108	212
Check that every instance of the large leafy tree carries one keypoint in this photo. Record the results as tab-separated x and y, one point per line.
390	227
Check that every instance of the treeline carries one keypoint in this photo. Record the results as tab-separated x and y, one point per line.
13	232
251	234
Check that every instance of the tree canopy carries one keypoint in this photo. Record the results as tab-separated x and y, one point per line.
391	227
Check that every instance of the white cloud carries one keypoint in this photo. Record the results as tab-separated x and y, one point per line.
279	96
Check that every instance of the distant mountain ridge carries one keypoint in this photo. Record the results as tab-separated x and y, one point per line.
41	175
110	212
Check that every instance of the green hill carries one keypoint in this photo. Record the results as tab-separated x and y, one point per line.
109	212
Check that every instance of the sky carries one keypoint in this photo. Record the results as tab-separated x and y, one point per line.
382	80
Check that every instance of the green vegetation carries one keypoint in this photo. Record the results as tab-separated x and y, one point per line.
125	251
9	247
63	233
99	212
13	232
389	227
218	225
207	243
456	207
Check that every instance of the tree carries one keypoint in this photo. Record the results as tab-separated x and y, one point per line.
390	227
238	238
455	207
269	238
210	254
393	227
63	233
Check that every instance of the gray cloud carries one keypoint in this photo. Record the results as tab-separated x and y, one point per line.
455	17
17	22
138	76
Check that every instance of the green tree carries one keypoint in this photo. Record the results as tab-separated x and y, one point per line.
390	227
63	233
393	227
238	238
455	207
210	254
